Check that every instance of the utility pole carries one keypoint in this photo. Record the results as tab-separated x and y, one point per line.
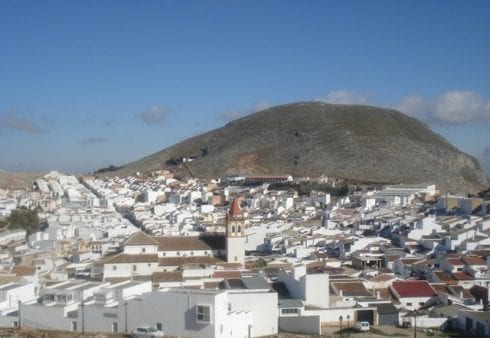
126	317
83	317
18	303
415	326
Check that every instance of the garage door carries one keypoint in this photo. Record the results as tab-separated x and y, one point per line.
365	316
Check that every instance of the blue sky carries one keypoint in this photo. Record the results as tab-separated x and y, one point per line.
85	84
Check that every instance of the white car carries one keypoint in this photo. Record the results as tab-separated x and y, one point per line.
147	332
362	326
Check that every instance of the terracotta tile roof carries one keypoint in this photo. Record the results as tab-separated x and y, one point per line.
172	276
178	243
23	270
474	260
409	261
211	285
459	291
115	280
181	261
407	289
354	289
128	259
139	238
445	277
387	294
235	209
382	278
391	258
455	261
462	276
440	288
227	274
425	262
315	265
482	252
227	265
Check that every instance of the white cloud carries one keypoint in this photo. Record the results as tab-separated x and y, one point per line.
153	115
450	107
230	115
261	106
413	105
345	97
460	106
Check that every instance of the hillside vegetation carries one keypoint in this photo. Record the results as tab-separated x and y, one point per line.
313	138
22	218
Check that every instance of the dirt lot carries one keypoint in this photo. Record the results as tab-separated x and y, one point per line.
332	332
27	333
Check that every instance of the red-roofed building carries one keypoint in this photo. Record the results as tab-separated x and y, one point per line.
227	274
413	294
453	264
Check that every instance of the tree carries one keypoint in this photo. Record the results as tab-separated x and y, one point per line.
23	218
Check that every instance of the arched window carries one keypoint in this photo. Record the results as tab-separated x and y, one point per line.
239	229
233	229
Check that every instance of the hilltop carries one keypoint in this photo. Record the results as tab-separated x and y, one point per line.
313	138
9	179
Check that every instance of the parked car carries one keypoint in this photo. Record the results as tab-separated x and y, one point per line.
147	332
362	326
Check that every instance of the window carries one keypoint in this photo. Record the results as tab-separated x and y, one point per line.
159	327
143	249
114	327
74	326
134	267
233	229
229	306
409	304
203	314
114	268
221	329
289	311
239	229
421	303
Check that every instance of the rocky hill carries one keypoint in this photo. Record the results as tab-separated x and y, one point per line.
9	179
312	138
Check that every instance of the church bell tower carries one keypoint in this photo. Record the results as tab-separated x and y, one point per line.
235	234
